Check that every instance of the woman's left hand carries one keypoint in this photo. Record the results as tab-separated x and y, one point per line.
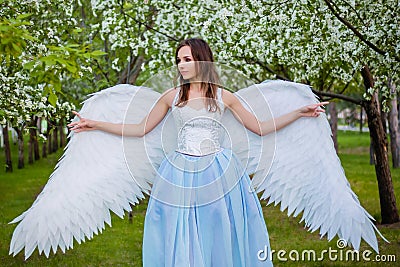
312	110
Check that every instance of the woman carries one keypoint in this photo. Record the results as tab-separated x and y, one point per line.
209	217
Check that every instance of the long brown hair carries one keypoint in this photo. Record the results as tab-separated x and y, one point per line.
202	55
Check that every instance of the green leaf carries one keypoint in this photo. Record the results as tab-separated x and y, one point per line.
49	61
5	40
46	91
40	77
61	61
127	6
77	30
97	53
4	28
16	48
57	86
52	99
29	65
73	45
55	48
24	16
71	68
29	37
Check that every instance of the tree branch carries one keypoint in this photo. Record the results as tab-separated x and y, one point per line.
317	92
356	32
102	71
266	67
338	96
355	11
151	28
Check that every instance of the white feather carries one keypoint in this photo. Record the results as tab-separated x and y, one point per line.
90	179
296	166
306	174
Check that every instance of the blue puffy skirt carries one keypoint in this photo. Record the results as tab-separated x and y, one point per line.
202	212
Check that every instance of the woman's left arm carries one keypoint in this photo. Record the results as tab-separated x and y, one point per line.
250	121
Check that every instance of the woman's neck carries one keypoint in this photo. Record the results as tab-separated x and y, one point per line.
196	87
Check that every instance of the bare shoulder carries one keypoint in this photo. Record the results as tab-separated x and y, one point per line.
228	98
168	96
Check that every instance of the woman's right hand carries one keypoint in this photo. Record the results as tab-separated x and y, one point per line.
82	125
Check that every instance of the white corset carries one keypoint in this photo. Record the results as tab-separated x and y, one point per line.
198	129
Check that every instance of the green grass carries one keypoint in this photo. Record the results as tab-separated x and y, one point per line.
117	246
121	244
287	234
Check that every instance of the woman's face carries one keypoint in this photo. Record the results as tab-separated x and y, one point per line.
186	63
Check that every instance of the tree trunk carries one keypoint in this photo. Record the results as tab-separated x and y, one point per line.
44	149
333	123
49	142
83	16
55	139
371	152
36	151
30	147
394	129
361	119
132	71
387	198
7	149
384	123
1	137
21	160
45	132
33	147
398	107
62	133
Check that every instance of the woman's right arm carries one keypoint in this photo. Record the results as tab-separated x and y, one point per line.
155	116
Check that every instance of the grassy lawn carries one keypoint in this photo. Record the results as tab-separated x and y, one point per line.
121	244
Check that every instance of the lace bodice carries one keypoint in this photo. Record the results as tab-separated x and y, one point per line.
198	129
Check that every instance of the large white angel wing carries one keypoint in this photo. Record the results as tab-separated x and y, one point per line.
91	178
305	174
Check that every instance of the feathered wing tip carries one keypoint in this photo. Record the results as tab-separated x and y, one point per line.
306	174
90	180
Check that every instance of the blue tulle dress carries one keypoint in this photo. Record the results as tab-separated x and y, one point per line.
201	211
